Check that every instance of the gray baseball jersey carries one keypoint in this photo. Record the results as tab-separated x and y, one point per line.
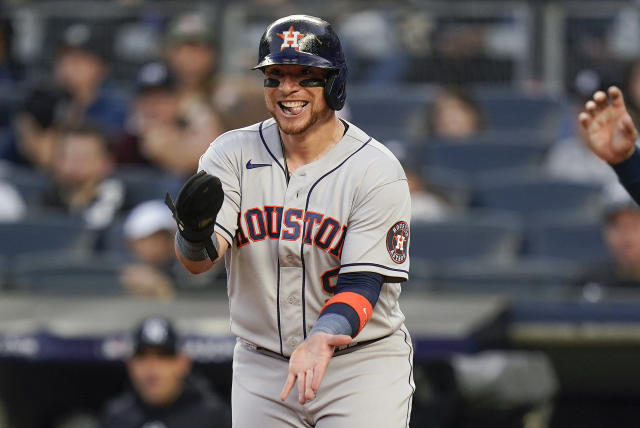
349	211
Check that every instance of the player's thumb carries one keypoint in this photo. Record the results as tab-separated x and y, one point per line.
628	128
627	133
339	340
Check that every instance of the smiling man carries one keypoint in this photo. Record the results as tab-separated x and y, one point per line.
312	217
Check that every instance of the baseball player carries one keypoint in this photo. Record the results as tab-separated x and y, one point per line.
612	136
312	217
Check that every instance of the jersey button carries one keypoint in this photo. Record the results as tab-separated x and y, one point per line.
292	342
291	259
292	300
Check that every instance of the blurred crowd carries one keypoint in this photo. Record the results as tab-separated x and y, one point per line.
95	128
77	137
82	145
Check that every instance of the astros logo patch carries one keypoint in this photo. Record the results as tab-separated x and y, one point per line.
290	39
398	242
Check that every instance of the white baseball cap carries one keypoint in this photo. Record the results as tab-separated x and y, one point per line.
12	206
148	218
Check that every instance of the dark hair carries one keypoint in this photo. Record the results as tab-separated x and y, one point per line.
6	35
89	129
632	104
47	105
464	96
15	68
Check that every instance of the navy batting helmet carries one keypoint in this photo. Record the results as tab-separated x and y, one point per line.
307	40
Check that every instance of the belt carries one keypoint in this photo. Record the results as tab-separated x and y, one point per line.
342	350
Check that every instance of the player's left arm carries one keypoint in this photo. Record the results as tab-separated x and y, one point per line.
375	251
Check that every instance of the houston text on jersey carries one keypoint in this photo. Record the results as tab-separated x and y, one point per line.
258	224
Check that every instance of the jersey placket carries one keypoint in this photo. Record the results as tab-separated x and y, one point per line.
291	300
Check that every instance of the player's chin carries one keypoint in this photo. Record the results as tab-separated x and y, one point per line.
293	125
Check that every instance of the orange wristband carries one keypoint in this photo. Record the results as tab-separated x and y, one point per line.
358	302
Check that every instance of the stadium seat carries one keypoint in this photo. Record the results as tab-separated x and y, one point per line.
5	138
67	274
568	238
454	185
507	110
144	184
473	157
390	112
11	99
522	278
494	238
50	234
4	273
31	184
533	195
112	239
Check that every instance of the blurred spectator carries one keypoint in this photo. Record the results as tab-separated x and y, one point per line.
450	49
12	205
80	173
156	105
240	101
426	204
161	133
622	236
149	231
454	114
191	55
36	128
164	393
9	69
370	40
621	230
631	89
81	68
212	103
571	159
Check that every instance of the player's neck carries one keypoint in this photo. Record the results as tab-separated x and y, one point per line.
301	149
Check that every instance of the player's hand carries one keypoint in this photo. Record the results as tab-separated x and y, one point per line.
309	362
196	208
608	128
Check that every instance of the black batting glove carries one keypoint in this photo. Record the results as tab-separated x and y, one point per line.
196	208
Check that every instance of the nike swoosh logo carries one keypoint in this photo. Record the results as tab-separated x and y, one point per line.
256	165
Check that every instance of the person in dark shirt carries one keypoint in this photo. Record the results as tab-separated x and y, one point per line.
155	106
81	181
10	71
149	232
36	128
81	67
621	233
165	394
160	133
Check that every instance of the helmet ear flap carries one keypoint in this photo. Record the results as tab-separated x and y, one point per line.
335	90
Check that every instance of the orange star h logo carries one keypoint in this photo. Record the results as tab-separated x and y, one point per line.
290	39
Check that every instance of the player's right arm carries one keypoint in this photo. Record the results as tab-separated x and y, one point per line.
222	160
611	136
200	266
